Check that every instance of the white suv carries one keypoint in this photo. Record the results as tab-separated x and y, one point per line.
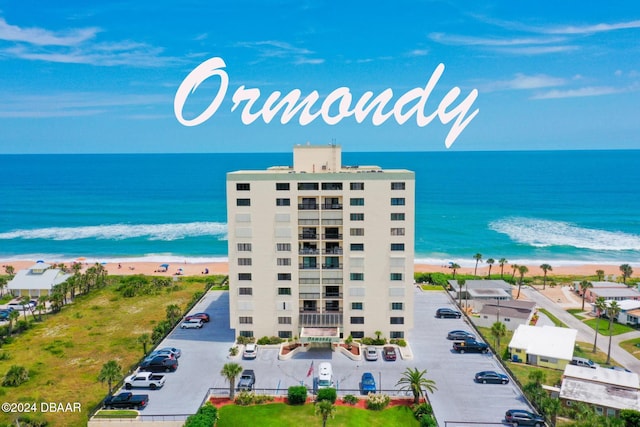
191	324
250	351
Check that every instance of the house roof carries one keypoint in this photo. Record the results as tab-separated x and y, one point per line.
599	394
628	304
491	293
482	284
28	280
616	292
608	376
600	285
548	341
511	308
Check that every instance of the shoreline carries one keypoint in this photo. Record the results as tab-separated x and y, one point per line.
219	265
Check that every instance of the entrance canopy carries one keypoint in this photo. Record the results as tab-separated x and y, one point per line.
323	335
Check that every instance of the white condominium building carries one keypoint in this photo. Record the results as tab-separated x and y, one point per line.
320	250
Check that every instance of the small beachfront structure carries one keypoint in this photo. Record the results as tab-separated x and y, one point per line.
607	290
546	346
606	390
512	313
36	280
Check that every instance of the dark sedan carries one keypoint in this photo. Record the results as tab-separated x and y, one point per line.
492	377
389	353
159	364
202	316
448	313
520	417
459	335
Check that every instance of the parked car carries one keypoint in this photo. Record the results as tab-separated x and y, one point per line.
585	363
4	314
202	316
250	351
492	377
126	400
371	353
176	352
448	313
460	335
144	379
520	417
325	375
389	353
192	324
368	383
159	364
247	380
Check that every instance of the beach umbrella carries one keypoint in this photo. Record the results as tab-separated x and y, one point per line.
40	260
164	265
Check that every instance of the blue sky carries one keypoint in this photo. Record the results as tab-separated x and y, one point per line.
84	78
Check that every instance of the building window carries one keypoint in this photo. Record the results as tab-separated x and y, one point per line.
284	291
397	231
284	334
282	186
284	320
283	202
356	201
244	261
395	276
243	202
397	306
396	320
356	276
397	217
397	185
357	217
246	334
357	246
242	186
397	201
307	186
244	276
356	306
357	334
244	247
284	276
332	186
246	320
357	320
283	261
283	247
396	335
397	246
357	185
245	291
356	231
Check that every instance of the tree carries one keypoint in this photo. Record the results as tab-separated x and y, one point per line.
498	330
10	270
455	268
173	313
461	283
13	316
42	305
502	262
490	261
545	268
551	406
25	305
523	270
144	339
110	372
478	258
325	409
612	312
15	376
514	267
584	285
601	307
230	372
600	274
627	271
414	380
3	284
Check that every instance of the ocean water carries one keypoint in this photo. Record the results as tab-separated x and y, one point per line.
560	207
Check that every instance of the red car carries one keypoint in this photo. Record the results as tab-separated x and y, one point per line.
389	353
203	316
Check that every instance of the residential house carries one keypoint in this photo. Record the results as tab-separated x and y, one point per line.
607	290
512	313
546	346
36	281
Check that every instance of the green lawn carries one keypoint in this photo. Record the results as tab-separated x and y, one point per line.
603	327
632	346
553	318
431	287
575	311
282	415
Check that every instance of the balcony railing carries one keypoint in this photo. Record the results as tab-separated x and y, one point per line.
309	295
325	319
308	207
332	266
308	236
332	295
308	266
332	251
332	236
331	206
309	251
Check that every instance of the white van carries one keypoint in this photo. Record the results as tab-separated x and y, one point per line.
325	375
586	363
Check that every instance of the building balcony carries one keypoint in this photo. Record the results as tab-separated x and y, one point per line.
332	266
309	251
307	207
332	251
308	267
308	236
332	236
321	320
331	206
330	295
309	295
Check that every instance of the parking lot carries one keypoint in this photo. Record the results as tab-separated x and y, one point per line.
458	398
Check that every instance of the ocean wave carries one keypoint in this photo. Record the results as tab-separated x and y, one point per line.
546	233
167	232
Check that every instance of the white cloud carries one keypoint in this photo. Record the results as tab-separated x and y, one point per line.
590	29
577	93
42	37
268	49
524	82
493	41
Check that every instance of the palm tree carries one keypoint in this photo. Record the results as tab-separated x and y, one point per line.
551	406
523	270
42	304
545	268
3	284
13	316
600	274
584	285
515	268
461	283
173	313
601	306
612	311
231	371
325	409
627	271
25	303
490	261
502	262
498	330
144	339
110	372
10	270
478	258
414	380
454	267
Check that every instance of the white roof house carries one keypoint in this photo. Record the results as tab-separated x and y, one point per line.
544	345
36	280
